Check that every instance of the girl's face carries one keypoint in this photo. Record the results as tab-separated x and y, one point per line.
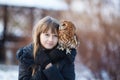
48	39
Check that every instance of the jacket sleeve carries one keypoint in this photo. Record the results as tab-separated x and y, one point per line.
68	70
66	73
25	73
25	64
53	73
71	57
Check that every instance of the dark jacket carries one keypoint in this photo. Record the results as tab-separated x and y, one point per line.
62	70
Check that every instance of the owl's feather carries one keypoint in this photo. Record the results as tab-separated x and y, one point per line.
67	36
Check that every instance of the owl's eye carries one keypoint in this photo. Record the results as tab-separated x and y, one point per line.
63	24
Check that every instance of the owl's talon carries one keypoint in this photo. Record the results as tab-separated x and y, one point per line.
68	51
61	48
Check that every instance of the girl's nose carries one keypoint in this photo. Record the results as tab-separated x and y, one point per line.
51	38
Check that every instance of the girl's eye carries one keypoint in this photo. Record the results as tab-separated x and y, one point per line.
46	34
55	35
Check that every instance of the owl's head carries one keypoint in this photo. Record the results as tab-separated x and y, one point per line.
67	25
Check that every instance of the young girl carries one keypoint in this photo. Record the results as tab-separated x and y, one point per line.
41	60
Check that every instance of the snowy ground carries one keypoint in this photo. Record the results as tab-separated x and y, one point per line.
10	72
83	73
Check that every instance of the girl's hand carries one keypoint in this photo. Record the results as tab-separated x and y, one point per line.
49	65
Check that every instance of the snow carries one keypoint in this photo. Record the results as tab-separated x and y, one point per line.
90	7
82	72
1	29
10	72
45	4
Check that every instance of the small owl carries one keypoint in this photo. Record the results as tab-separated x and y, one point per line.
67	36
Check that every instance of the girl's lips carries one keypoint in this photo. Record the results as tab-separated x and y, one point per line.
49	43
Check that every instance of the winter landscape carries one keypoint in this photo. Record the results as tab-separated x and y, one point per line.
97	27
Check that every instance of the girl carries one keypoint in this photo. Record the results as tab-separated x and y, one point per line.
41	60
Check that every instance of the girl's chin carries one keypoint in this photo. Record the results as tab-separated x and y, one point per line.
49	47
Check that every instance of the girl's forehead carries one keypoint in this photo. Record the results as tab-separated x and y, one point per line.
51	31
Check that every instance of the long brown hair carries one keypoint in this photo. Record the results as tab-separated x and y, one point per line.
42	26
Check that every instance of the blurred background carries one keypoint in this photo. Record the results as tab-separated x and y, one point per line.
98	31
